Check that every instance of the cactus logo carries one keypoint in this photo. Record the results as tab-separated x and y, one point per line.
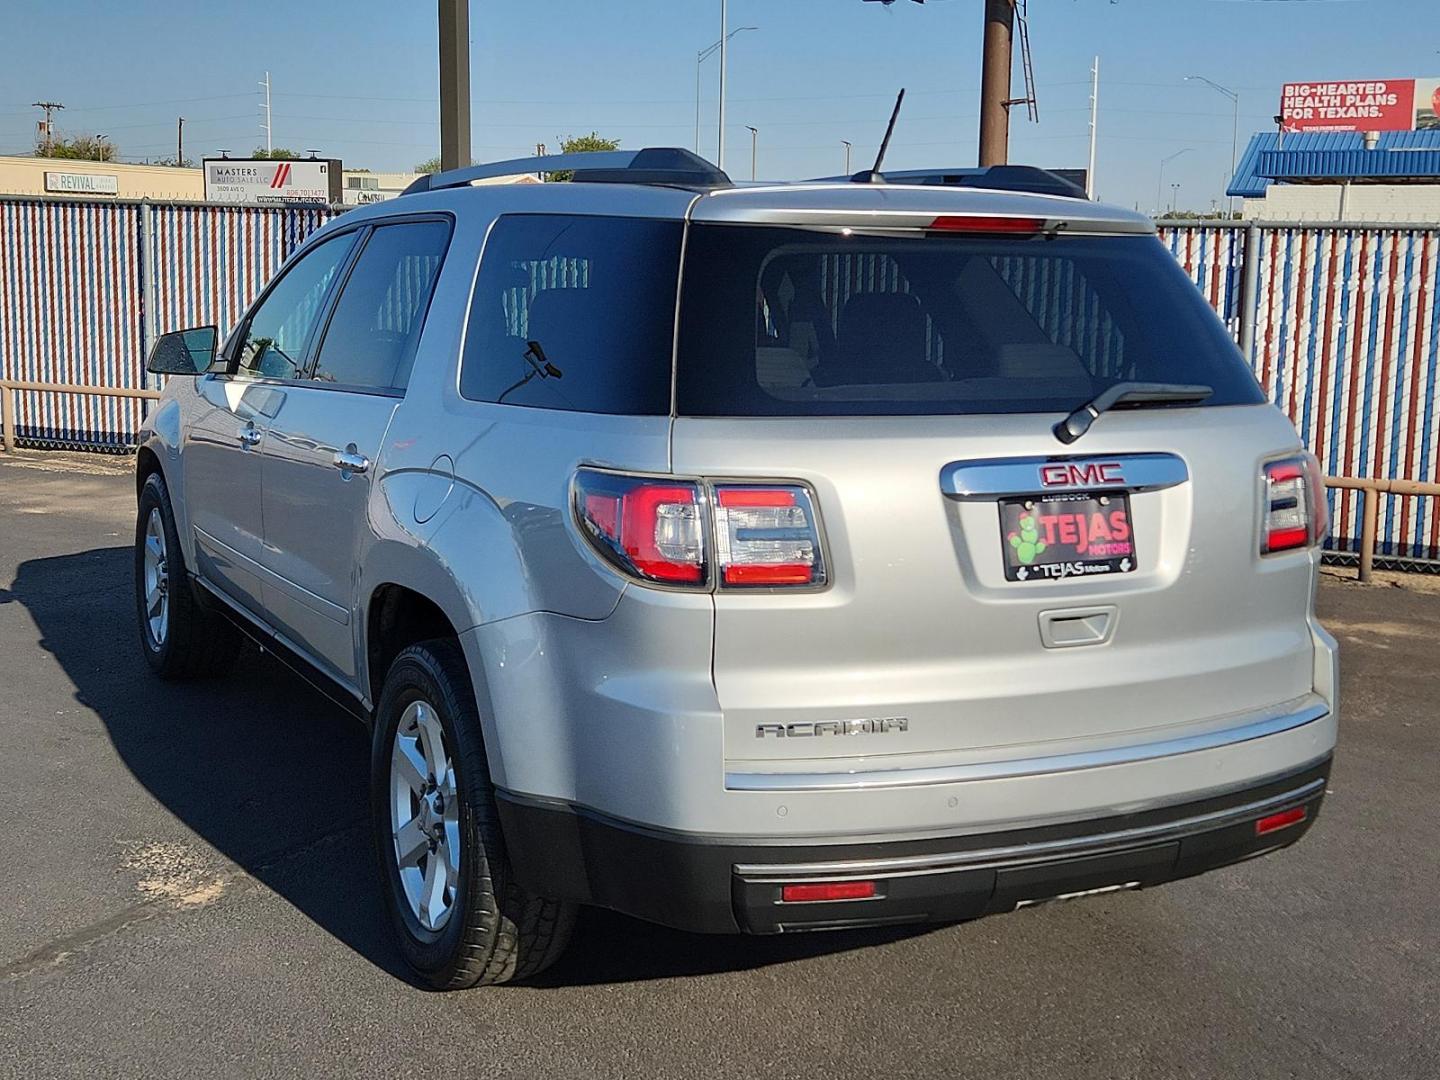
1026	541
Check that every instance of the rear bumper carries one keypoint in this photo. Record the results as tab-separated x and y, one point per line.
728	885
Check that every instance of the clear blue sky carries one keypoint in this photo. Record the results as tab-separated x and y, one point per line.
358	79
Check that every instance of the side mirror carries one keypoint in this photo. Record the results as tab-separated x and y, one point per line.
183	352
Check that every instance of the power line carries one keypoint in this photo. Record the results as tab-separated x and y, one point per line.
143	104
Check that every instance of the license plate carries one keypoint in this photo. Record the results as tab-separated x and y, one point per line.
1062	536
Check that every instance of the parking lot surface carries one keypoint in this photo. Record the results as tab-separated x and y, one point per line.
187	889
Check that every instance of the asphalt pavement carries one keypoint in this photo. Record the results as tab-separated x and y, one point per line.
187	890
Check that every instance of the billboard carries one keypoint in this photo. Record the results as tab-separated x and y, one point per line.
1377	105
261	182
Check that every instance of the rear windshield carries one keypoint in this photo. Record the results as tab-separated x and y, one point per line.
805	322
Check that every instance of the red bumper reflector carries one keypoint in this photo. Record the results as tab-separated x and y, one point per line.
827	890
1285	539
1284	819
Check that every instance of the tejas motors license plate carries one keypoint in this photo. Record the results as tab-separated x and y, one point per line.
1062	536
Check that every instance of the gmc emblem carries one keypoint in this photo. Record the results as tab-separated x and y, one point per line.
1090	474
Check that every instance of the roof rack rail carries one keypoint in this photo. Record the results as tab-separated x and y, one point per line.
1026	178
652	165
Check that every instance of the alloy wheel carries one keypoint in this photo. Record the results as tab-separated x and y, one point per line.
156	579
425	815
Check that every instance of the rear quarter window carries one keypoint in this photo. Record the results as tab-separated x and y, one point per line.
574	313
796	322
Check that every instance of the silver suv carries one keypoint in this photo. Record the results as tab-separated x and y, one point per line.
752	558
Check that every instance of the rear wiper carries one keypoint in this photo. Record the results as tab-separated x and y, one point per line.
1130	393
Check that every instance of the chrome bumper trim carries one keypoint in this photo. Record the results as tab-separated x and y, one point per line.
1041	852
1002	770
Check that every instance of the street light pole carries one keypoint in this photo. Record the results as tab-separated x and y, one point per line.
1234	127
754	141
1160	181
846	144
724	41
700	58
1174	196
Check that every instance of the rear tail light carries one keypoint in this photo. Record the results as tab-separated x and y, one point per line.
651	529
765	535
1294	505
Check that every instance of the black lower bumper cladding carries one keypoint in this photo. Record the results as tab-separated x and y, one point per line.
735	885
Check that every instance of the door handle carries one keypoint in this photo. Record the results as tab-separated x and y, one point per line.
250	436
348	461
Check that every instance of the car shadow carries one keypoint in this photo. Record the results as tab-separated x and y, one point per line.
273	776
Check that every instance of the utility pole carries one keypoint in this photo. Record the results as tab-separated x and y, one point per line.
846	144
754	141
50	108
995	82
180	142
269	142
1094	122
724	46
454	84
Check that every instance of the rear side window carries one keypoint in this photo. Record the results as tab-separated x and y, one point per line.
375	329
574	313
793	322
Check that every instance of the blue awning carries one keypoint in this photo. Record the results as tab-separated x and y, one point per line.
1350	164
1335	156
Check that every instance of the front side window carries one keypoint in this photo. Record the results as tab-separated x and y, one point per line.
574	313
796	322
275	337
372	336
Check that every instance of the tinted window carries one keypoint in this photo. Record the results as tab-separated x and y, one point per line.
274	342
788	322
574	313
372	336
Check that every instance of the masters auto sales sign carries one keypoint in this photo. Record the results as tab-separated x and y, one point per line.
1378	105
258	182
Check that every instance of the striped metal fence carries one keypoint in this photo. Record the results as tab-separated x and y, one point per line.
1343	331
85	287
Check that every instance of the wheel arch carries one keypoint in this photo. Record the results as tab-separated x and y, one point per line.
397	617
147	464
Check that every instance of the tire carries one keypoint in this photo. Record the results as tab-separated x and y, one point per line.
486	928
180	640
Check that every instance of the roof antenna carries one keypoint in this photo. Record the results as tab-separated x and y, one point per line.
872	175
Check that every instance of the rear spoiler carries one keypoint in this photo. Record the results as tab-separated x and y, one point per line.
1026	178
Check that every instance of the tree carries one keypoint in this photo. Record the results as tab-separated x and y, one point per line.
79	148
278	154
580	144
429	165
170	162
